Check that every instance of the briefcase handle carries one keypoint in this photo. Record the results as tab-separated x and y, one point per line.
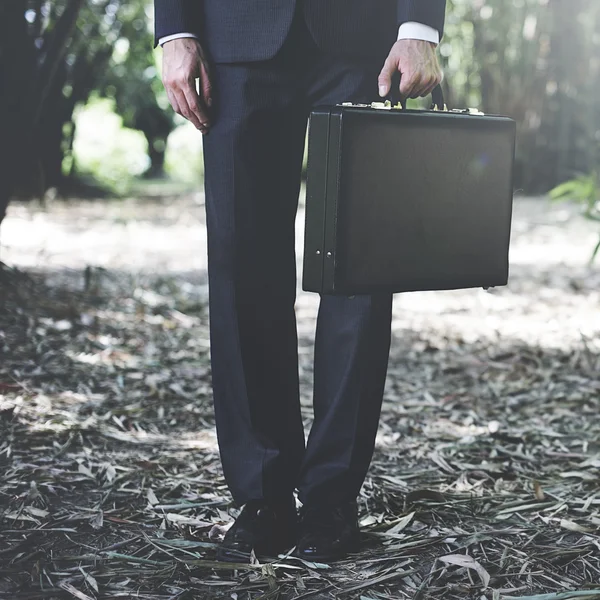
437	99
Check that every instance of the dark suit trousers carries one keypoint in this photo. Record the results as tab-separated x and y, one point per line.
253	159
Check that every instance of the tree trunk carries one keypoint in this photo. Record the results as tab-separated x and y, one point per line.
57	46
156	152
17	77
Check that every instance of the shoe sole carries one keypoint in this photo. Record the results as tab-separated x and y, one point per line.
235	556
353	548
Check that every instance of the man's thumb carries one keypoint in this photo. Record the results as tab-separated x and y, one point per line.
385	78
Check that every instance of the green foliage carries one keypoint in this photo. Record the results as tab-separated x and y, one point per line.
584	189
106	150
183	160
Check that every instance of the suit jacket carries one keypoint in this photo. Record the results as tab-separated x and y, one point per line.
252	30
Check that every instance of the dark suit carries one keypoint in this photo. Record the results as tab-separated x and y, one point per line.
274	60
249	30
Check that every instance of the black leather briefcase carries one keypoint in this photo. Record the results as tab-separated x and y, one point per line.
407	200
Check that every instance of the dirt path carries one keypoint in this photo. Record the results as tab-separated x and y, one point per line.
110	484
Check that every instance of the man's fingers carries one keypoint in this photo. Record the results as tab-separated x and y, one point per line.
173	101
420	89
193	101
418	86
185	102
186	110
433	82
417	62
205	84
183	62
385	77
174	96
408	84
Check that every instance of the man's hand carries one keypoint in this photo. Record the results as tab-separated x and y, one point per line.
183	63
416	60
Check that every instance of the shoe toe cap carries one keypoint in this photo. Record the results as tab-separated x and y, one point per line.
314	548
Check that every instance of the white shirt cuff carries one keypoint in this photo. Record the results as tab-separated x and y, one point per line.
175	36
411	30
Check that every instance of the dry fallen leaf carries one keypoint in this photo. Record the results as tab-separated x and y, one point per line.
74	591
464	560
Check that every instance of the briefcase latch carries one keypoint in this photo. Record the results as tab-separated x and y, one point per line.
467	111
387	105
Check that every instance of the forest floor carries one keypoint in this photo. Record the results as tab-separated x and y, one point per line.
485	480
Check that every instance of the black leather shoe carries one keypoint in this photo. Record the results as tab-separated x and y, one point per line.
267	529
328	533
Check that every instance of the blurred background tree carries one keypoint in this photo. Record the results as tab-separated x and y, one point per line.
132	80
54	57
535	60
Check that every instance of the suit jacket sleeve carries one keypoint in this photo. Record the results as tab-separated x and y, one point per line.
428	12
175	16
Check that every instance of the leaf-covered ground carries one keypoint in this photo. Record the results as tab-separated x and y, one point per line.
485	482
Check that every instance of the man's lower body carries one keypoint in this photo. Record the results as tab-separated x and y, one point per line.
253	162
